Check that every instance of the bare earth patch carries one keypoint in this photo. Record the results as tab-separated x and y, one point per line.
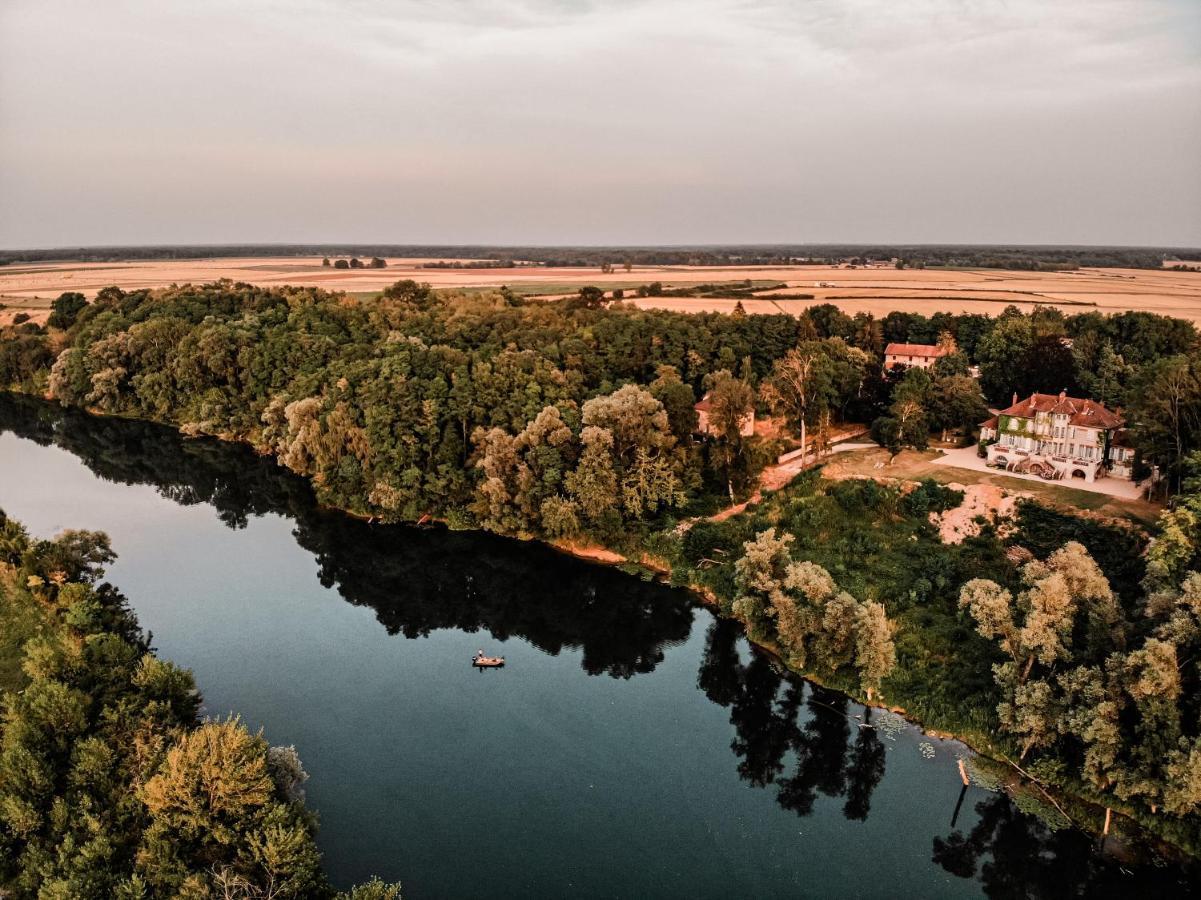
981	503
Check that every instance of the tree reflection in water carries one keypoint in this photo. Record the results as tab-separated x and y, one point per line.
770	739
1016	855
418	580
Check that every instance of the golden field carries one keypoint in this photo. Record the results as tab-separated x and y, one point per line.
29	287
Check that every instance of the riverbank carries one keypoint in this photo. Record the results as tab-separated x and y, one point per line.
661	567
1091	816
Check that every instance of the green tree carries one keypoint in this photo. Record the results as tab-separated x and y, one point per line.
731	402
66	309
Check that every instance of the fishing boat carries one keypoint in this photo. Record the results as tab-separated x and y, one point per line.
487	662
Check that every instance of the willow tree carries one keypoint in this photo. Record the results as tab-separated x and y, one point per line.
815	624
1065	596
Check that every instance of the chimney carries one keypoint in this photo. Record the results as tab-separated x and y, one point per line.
1015	399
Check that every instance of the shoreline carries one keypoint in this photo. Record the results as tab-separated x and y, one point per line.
599	554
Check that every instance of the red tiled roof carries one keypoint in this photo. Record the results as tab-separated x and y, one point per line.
1082	413
915	350
703	405
1122	439
991	423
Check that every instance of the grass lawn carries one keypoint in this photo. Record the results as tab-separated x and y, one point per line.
20	619
917	464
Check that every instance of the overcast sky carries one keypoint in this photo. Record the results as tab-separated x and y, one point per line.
600	121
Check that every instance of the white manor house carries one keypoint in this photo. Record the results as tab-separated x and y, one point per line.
1058	437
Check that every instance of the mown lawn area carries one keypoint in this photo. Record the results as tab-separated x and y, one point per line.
914	465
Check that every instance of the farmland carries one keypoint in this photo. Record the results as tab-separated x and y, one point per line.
880	290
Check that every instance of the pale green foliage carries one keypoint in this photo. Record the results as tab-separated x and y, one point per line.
547	480
372	890
1030	712
814	622
992	607
593	483
633	417
560	517
1152	672
1182	784
1120	707
1091	713
215	795
1039	624
1175	544
287	772
650	484
875	652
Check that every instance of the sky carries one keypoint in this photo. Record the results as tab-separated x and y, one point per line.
600	121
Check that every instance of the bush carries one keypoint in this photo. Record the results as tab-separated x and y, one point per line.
931	497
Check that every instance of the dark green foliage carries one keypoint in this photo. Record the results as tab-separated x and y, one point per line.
931	497
65	309
1118	551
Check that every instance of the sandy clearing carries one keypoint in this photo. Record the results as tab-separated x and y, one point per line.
981	503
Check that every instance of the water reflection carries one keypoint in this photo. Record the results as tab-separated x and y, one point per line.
416	580
774	737
800	741
1016	855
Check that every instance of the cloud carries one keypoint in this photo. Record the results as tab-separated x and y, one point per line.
574	121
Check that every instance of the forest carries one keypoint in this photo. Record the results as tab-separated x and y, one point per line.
1056	645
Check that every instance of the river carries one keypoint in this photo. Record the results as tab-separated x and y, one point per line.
633	746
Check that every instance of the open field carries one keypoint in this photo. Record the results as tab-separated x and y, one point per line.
876	290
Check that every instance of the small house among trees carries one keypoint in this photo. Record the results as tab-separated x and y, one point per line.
746	425
923	356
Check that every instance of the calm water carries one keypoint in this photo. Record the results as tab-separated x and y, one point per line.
633	747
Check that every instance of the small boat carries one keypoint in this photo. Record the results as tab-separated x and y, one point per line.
488	662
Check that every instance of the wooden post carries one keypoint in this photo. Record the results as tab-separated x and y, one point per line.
958	805
1108	813
963	773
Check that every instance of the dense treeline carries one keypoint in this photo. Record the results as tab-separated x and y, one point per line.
110	785
567	417
533	418
1031	257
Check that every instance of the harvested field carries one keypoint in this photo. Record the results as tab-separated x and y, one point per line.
876	290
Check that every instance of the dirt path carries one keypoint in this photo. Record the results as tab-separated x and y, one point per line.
777	476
